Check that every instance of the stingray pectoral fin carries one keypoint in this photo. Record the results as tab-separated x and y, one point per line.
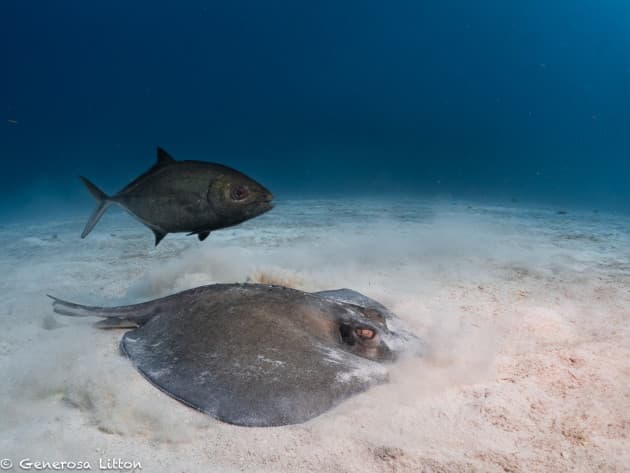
350	296
114	322
116	317
259	387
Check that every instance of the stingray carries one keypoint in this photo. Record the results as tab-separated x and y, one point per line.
255	355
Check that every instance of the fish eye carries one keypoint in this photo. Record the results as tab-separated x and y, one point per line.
365	333
239	193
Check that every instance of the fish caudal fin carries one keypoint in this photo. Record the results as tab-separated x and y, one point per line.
103	203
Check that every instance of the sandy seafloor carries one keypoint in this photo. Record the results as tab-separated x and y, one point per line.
525	314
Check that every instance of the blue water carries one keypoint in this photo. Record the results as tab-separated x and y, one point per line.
507	101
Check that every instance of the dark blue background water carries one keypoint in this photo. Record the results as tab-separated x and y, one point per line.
490	99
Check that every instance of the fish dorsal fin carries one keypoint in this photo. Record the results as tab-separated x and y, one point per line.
163	158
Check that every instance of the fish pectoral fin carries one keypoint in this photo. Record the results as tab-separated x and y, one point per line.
159	235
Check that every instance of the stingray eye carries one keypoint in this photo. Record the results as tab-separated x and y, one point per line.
365	333
239	193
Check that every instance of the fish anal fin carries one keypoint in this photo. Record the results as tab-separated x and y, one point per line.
201	235
163	158
159	235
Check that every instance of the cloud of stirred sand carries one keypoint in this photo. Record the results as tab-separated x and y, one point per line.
410	268
405	267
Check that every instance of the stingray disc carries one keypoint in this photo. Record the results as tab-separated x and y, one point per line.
252	354
258	355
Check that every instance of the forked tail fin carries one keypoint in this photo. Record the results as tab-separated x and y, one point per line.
103	203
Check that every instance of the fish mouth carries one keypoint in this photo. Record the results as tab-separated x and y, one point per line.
268	201
264	206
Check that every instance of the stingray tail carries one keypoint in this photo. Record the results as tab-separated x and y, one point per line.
127	316
103	203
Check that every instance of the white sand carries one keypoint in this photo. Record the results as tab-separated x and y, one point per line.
525	313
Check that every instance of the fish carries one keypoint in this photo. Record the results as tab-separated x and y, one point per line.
193	197
256	355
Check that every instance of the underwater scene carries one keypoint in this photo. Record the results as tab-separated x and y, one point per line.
281	236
